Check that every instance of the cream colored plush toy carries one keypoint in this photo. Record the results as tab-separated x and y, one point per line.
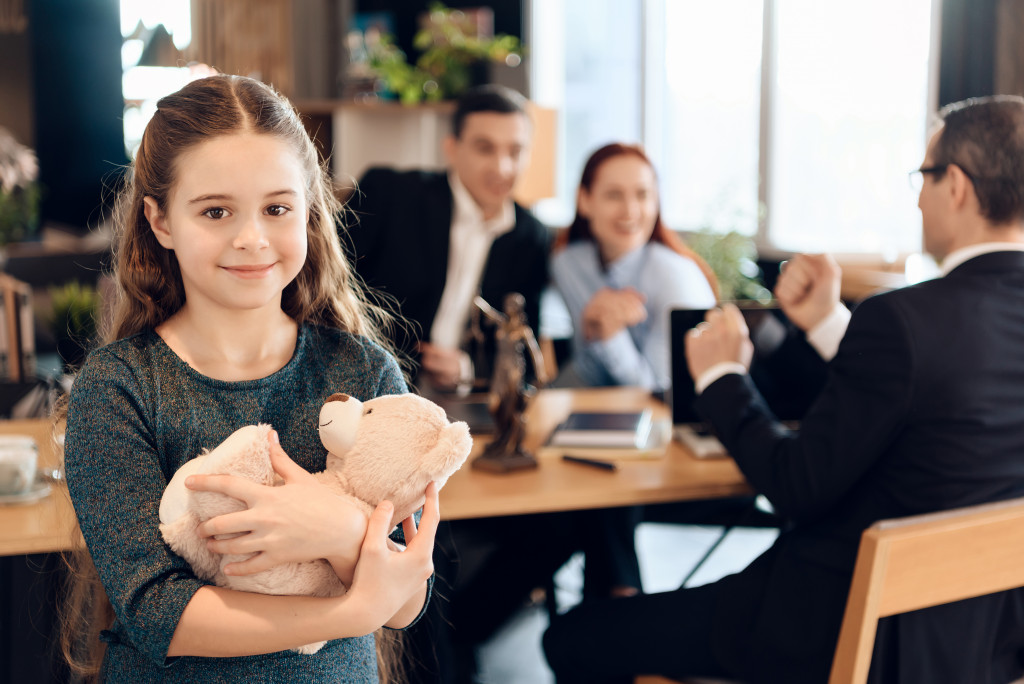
389	448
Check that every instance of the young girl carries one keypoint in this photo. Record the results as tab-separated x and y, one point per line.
621	271
236	307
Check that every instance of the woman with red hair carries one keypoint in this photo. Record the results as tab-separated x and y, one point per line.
620	271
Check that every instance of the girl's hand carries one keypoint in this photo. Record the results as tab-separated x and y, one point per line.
300	520
393	583
610	311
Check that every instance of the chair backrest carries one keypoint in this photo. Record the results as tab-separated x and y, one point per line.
926	560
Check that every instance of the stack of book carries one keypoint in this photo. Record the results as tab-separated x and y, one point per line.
607	435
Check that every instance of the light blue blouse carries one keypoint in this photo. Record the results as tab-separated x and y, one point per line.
638	355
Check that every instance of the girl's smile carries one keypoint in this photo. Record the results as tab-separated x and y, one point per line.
250	272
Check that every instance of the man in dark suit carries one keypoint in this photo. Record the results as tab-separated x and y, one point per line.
923	411
434	240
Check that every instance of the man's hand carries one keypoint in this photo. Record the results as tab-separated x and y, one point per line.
611	310
808	289
441	365
722	337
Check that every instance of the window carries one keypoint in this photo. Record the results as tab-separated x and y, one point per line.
791	120
154	33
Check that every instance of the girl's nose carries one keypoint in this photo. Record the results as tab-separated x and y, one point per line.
251	235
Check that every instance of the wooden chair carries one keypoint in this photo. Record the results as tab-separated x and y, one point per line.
905	564
920	561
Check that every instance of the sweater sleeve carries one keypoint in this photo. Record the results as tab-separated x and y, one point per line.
115	478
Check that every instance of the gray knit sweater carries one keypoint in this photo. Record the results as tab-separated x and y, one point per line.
137	413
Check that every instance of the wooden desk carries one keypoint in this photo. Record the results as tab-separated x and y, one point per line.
48	525
560	486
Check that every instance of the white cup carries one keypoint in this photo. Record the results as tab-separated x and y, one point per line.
18	459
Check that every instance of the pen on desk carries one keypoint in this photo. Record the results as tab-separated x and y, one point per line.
603	465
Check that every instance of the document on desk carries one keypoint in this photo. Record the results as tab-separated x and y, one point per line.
653	444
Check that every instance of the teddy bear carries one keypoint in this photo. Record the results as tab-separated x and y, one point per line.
386	448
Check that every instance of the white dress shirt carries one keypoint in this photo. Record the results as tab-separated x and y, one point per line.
469	244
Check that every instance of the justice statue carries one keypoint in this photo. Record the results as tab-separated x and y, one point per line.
509	390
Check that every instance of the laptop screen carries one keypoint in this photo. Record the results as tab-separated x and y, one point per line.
785	368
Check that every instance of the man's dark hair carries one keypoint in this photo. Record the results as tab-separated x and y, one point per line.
486	98
985	137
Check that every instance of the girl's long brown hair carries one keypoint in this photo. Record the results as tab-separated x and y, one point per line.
580	229
149	287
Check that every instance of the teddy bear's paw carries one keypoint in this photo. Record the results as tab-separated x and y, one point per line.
310	649
184	540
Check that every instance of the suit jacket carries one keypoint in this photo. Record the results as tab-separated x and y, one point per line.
923	410
400	247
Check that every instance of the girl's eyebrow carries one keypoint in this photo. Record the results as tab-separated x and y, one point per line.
220	197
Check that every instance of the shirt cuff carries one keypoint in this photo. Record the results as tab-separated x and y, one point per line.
826	335
467	375
705	379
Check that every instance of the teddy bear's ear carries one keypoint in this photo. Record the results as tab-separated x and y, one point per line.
451	451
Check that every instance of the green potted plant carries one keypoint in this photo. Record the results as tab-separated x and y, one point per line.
733	258
450	51
19	192
74	314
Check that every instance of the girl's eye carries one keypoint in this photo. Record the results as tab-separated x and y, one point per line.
277	210
215	213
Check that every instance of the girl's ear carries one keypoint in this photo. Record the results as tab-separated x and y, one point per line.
157	222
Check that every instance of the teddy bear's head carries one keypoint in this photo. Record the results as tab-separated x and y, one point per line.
391	447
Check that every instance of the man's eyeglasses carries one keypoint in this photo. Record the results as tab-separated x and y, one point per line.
916	176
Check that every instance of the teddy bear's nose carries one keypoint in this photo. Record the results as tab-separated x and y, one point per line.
338	396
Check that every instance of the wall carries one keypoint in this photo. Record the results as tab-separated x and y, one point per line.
16	87
77	105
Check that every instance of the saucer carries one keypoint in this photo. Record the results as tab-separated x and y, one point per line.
37	492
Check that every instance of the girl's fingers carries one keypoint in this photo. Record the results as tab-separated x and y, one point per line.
282	463
229	485
257	563
409	529
379	525
228	523
235	546
429	520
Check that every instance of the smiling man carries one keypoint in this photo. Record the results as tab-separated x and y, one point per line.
434	240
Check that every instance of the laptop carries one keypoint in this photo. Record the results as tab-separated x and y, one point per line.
785	368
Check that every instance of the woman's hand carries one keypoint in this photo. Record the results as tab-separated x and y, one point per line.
611	310
300	520
394	582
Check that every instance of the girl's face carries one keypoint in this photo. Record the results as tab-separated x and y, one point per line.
621	205
236	220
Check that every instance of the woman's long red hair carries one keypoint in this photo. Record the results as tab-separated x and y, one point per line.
580	227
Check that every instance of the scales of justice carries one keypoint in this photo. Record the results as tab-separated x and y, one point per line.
510	393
